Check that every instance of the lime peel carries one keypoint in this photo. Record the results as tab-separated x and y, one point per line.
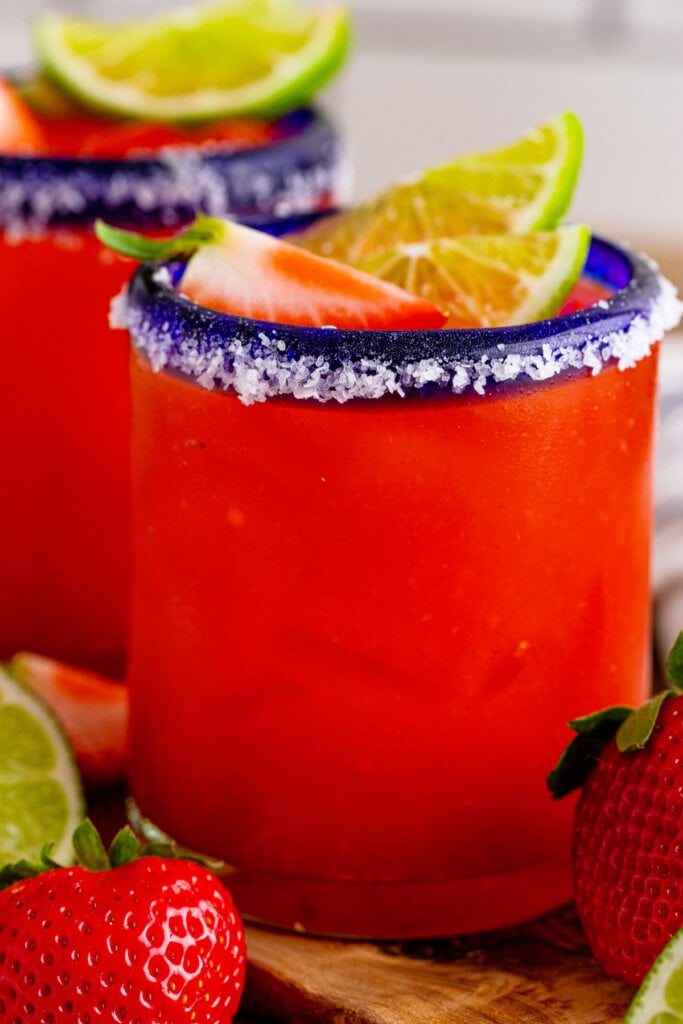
551	153
524	187
660	997
37	765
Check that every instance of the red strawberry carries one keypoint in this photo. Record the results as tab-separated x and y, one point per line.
93	712
151	940
19	130
628	829
236	269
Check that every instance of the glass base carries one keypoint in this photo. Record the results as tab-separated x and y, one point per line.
385	910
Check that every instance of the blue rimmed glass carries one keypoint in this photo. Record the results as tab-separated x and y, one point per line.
301	172
64	424
374	574
183	336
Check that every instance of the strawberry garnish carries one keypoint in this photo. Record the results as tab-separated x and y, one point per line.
130	935
20	132
107	139
628	829
235	269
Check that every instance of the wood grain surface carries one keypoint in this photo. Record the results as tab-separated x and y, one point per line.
539	974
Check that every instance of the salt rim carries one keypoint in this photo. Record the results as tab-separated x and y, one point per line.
303	170
260	360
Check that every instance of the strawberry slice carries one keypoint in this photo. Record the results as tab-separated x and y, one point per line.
92	710
20	132
235	269
102	140
133	137
255	275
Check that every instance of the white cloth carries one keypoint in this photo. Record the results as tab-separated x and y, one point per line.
668	541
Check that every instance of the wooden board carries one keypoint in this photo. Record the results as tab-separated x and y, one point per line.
540	974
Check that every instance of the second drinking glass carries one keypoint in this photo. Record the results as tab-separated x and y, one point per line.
64	416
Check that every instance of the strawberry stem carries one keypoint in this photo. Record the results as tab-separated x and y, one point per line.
203	231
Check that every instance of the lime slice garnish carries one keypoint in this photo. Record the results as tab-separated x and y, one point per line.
261	57
488	280
41	800
524	187
659	1000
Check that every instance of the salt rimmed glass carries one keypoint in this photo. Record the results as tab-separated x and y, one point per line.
374	574
64	418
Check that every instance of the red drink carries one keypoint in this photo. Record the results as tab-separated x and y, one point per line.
64	425
64	417
358	630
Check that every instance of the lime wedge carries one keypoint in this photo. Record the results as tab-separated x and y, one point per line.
260	57
41	799
488	280
659	1000
524	187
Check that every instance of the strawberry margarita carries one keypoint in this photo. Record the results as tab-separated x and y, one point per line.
373	575
64	416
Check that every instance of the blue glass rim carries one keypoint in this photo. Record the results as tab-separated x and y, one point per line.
225	351
299	172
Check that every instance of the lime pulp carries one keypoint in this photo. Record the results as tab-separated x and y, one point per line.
41	798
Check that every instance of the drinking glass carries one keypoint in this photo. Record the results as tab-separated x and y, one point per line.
374	575
64	418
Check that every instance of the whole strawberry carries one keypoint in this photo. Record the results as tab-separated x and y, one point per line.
628	829
149	939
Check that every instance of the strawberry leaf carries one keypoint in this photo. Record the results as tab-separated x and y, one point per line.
92	855
12	873
161	849
631	727
125	846
636	730
674	664
46	860
204	231
90	850
594	732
